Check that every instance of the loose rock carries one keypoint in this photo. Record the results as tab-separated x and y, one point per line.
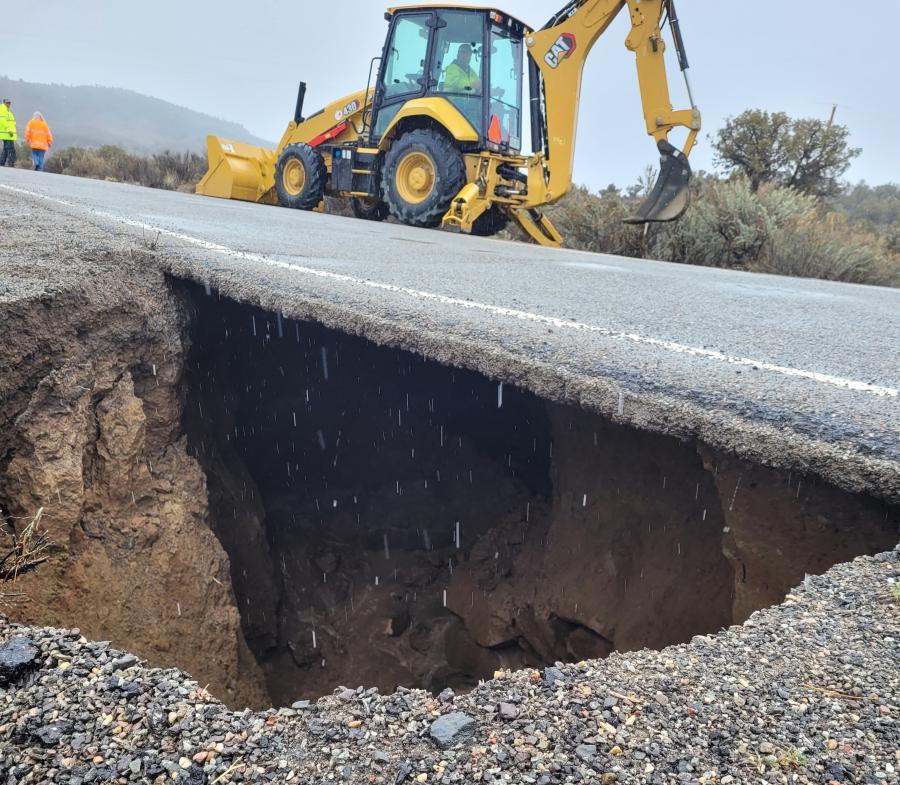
17	657
452	729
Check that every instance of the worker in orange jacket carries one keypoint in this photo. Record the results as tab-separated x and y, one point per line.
39	138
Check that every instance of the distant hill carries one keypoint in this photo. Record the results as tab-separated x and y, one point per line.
94	116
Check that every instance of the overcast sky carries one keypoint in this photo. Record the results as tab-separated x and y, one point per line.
242	61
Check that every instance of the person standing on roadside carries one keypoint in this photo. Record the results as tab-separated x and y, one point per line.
39	138
8	134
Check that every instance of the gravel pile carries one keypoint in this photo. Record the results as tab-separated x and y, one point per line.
805	692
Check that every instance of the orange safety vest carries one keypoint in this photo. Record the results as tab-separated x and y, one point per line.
38	136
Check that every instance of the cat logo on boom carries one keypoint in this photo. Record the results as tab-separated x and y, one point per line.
563	48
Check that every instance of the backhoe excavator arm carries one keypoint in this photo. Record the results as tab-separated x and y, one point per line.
559	52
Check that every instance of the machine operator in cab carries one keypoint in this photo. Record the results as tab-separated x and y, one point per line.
460	77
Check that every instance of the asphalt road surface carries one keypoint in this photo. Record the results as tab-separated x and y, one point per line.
795	373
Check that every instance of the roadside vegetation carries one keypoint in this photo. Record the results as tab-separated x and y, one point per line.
775	230
777	203
169	171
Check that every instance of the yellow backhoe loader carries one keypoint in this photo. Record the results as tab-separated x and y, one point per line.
437	140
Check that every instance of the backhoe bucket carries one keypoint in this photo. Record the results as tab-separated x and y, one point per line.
671	195
239	171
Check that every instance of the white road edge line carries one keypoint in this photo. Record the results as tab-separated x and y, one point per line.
527	316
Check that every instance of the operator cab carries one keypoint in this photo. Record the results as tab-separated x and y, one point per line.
472	57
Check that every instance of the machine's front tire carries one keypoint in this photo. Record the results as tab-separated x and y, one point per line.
300	177
423	172
369	209
490	223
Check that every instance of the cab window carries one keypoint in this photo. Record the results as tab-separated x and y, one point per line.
505	123
404	71
458	68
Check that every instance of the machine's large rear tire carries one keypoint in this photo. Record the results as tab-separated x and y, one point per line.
423	172
300	177
490	223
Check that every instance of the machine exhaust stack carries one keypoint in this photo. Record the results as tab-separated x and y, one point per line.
301	97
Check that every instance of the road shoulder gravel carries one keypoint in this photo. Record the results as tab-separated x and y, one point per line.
806	692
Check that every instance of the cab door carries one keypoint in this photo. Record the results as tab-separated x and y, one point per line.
403	73
460	63
504	129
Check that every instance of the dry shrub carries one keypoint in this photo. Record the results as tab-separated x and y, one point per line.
594	222
777	230
831	249
23	156
169	171
728	225
21	553
877	205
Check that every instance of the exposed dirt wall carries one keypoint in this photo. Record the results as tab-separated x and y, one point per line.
781	527
393	521
619	559
90	431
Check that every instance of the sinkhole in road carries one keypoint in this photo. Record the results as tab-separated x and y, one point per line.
393	521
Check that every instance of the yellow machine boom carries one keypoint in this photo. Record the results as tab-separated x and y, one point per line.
562	75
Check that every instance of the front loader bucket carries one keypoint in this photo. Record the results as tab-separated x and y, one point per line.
239	171
671	195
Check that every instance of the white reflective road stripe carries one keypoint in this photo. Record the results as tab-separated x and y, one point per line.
512	313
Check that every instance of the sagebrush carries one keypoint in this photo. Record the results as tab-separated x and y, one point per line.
169	171
775	230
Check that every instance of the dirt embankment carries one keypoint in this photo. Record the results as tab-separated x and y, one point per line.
90	431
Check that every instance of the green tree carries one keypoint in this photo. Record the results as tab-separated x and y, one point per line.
808	155
754	144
